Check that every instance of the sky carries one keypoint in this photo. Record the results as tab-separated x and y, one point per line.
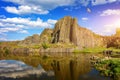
22	18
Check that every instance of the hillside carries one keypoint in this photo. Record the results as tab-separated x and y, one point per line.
66	34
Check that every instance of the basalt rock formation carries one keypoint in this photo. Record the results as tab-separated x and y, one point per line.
38	39
66	36
67	30
35	39
46	35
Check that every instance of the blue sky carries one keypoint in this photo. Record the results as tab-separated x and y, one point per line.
22	18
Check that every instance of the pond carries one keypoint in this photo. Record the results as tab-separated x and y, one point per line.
47	67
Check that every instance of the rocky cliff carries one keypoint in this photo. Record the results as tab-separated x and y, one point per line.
45	36
66	36
35	39
67	30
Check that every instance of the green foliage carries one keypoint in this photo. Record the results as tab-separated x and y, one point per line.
76	51
45	45
109	67
6	51
36	46
96	50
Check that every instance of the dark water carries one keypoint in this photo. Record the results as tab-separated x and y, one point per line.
72	67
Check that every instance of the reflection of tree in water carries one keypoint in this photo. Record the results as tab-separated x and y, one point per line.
71	69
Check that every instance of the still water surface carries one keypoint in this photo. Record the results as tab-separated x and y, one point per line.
60	67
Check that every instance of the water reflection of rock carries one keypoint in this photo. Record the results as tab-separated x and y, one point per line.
71	69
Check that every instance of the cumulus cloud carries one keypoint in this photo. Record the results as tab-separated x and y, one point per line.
99	2
109	12
95	2
44	6
21	25
3	39
84	18
24	22
25	10
24	31
36	6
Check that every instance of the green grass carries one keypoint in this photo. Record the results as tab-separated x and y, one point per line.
90	50
95	50
114	49
45	45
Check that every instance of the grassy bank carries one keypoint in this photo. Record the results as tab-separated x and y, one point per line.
109	68
95	50
90	50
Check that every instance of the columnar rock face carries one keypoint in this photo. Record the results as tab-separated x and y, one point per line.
61	32
67	30
46	36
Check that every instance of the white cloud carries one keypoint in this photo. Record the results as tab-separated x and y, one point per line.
95	2
25	10
36	6
6	29
72	8
20	25
26	22
3	39
24	31
68	9
44	6
84	18
50	21
109	12
99	2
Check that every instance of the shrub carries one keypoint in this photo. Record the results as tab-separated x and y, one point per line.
110	68
45	45
7	51
45	57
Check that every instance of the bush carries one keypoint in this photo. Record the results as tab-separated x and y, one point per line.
110	68
6	50
45	45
